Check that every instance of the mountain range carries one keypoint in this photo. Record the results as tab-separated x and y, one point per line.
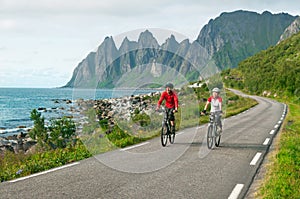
221	44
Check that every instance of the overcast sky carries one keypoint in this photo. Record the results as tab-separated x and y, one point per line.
42	41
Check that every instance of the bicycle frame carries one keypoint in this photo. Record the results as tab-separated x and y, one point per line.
166	129
166	120
212	134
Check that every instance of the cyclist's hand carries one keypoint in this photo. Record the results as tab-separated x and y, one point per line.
203	112
175	110
157	108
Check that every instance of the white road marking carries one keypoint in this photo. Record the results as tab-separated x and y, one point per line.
236	191
266	141
44	172
279	122
255	159
132	147
276	126
272	132
183	132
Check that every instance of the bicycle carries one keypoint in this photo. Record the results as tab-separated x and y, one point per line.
166	132
214	130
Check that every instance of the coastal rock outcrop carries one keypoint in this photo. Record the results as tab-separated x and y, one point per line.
120	108
20	143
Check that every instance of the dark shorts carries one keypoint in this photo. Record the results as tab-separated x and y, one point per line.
170	113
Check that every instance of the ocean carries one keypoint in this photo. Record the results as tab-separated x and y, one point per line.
16	104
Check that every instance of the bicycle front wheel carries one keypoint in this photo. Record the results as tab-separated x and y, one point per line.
218	137
164	135
209	136
172	137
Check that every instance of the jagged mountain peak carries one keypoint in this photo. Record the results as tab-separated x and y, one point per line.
170	44
108	41
127	45
147	40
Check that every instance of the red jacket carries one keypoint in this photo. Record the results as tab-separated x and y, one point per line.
171	100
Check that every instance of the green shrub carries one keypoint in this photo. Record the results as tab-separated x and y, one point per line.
62	132
143	119
39	131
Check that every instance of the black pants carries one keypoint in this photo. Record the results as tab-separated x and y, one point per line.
170	113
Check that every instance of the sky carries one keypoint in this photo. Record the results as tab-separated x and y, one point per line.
42	41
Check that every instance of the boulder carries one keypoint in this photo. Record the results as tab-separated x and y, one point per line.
18	147
21	135
28	144
110	113
12	137
7	148
3	142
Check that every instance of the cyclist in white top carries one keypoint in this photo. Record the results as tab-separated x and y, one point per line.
216	105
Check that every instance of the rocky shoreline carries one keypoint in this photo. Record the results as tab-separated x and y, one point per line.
17	143
122	108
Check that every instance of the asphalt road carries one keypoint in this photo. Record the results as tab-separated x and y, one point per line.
186	169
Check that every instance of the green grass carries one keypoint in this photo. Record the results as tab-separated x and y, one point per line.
283	173
236	104
18	165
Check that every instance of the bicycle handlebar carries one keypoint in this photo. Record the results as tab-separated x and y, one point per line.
208	113
164	109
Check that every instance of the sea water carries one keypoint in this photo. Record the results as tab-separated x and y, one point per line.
16	104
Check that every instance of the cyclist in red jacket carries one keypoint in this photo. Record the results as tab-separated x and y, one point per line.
171	103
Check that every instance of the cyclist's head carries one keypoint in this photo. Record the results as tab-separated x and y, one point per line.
169	87
216	91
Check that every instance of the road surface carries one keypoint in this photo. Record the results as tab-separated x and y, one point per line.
186	169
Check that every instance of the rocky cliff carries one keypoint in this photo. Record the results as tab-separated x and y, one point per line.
291	30
232	37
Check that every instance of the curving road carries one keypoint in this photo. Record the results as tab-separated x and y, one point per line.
186	169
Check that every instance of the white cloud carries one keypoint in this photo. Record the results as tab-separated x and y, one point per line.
43	34
7	24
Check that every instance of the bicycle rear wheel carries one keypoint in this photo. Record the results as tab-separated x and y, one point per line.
210	136
164	135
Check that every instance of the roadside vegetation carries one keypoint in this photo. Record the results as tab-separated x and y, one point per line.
283	172
275	73
58	144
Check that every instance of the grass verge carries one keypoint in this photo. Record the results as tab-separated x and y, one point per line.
282	179
18	165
